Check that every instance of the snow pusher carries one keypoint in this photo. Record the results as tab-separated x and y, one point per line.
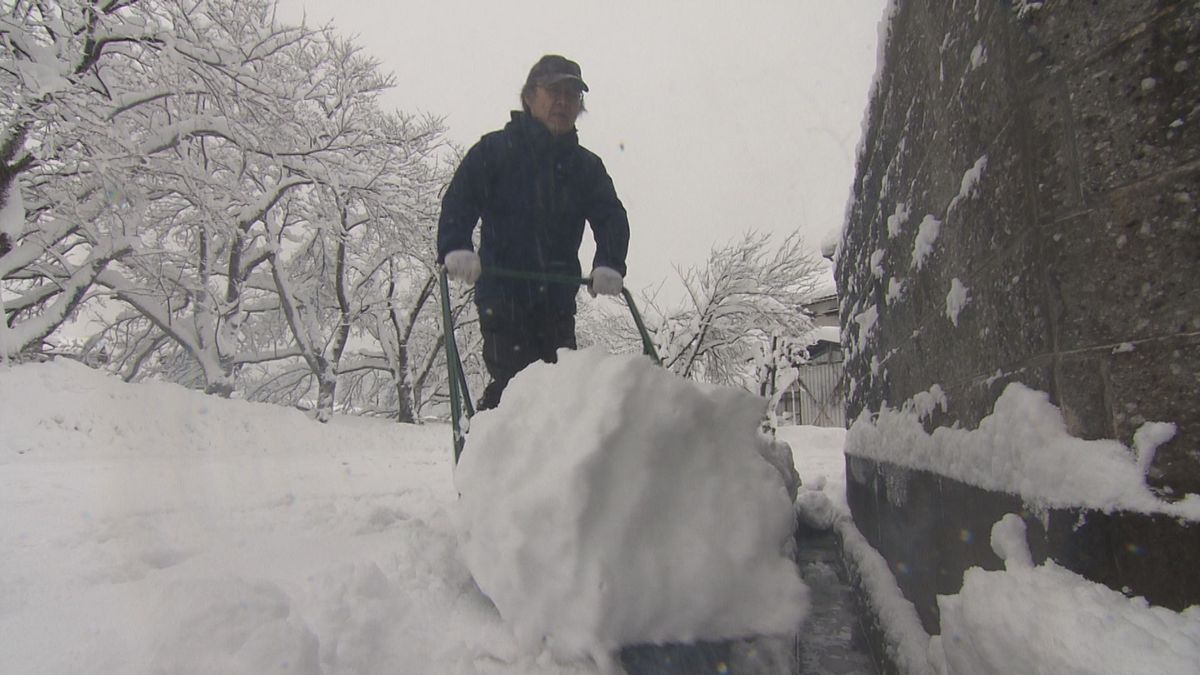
688	521
461	407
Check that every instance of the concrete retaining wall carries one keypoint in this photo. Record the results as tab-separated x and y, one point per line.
1057	147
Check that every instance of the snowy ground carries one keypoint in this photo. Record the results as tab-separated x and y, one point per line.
150	529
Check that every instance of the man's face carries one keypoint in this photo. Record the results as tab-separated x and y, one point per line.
557	106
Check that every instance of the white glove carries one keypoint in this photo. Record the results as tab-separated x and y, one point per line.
606	281
463	265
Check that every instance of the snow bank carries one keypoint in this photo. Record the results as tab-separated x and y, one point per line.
1022	448
148	528
1046	619
1026	619
608	502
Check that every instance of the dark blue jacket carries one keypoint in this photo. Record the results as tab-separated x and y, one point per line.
533	192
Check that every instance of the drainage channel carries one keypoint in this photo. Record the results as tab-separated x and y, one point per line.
830	642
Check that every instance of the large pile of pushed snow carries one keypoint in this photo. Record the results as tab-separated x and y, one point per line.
608	502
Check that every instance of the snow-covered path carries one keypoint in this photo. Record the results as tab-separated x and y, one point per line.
151	529
147	528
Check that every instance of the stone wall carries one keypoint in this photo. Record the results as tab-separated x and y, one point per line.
1045	157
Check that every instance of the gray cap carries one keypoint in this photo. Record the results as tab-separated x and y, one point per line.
553	68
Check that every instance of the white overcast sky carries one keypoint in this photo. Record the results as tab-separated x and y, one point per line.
713	118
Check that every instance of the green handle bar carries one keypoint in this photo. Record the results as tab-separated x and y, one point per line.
460	397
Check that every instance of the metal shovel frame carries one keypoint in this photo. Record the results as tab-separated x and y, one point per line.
460	396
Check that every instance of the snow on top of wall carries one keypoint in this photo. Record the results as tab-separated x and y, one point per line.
877	263
896	221
927	233
1147	439
970	183
1009	542
978	56
930	227
956	299
876	366
1022	448
925	403
946	42
895	290
866	321
1024	8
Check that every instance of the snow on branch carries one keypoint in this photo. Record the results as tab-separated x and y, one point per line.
738	308
31	331
169	136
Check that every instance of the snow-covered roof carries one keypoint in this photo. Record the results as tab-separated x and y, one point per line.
825	334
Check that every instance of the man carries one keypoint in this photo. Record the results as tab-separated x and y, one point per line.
533	186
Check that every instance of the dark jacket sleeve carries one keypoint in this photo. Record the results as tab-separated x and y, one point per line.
610	224
463	203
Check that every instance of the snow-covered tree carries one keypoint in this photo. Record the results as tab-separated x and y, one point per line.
367	248
274	214
401	372
233	184
220	183
409	378
68	70
742	313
